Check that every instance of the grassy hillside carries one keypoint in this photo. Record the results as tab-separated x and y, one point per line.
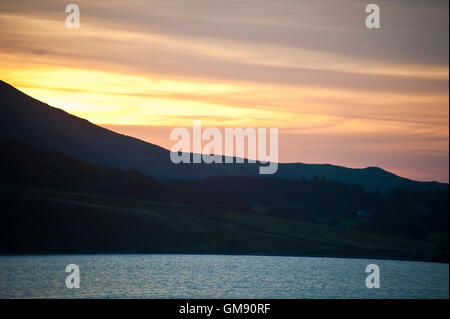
37	220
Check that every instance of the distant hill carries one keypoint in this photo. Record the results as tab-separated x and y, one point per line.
29	120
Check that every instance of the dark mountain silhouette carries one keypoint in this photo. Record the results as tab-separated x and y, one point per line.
31	121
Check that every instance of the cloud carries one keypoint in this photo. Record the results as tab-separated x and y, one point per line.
311	68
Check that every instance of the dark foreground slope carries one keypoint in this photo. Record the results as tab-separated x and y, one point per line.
46	221
26	119
54	203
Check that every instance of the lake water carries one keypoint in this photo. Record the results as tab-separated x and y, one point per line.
217	276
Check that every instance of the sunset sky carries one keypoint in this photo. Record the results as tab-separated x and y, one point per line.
338	92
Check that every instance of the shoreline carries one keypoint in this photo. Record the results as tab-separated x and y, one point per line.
222	254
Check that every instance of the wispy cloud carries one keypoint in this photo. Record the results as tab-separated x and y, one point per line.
310	68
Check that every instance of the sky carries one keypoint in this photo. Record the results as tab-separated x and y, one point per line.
338	92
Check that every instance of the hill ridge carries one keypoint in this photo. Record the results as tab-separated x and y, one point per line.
31	121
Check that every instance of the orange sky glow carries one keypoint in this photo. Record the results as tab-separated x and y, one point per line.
338	92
